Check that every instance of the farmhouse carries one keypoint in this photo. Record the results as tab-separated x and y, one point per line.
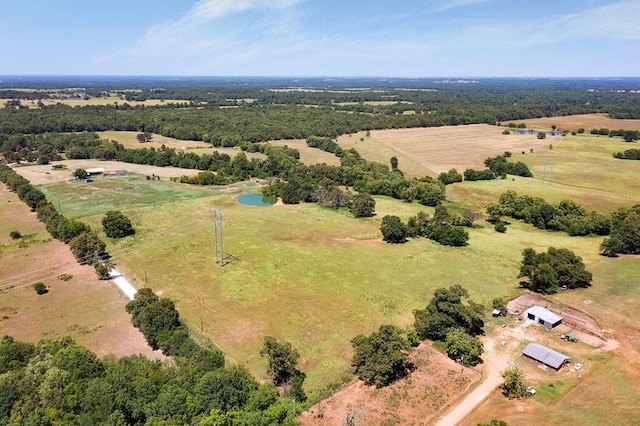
542	316
545	356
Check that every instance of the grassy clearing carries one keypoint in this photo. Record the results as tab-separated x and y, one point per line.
128	139
309	155
304	273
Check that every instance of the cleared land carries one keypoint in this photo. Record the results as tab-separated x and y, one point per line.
87	309
129	140
430	151
585	121
309	155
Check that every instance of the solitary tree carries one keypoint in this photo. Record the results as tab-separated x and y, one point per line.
394	163
117	225
514	385
393	230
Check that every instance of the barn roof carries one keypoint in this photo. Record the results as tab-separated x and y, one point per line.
545	314
545	355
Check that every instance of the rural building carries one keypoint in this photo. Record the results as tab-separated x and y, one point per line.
95	171
542	316
545	356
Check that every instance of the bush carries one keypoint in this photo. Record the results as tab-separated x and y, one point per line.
117	225
500	227
15	235
40	288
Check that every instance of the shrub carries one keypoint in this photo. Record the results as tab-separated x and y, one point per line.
500	227
15	235
40	288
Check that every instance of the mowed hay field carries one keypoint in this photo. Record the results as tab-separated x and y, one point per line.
87	309
579	167
301	273
585	121
432	150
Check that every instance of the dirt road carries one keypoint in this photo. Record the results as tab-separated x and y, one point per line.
496	359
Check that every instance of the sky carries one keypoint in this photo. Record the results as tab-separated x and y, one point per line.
319	38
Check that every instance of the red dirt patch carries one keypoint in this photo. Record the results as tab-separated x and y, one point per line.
417	399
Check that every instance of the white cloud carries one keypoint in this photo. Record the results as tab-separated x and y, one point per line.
452	4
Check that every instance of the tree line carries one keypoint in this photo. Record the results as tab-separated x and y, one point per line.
83	242
57	381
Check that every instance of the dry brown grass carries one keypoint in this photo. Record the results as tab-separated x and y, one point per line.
87	309
586	121
430	151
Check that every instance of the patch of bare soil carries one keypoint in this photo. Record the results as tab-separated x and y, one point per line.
416	400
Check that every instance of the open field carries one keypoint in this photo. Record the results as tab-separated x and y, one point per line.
583	170
300	270
44	174
586	121
309	155
90	311
128	139
430	151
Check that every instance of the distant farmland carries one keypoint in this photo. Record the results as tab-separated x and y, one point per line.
434	150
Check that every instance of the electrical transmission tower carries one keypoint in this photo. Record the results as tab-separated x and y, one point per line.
547	174
217	236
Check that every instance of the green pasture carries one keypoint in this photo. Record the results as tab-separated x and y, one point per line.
583	170
304	273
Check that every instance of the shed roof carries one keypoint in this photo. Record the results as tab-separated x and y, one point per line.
545	355
545	314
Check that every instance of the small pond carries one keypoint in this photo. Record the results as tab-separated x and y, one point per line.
529	132
257	200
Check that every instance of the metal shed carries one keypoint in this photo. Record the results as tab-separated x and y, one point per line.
542	316
545	355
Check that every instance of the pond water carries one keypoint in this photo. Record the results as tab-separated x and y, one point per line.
257	200
528	132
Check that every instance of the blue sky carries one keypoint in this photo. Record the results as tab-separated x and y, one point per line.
399	38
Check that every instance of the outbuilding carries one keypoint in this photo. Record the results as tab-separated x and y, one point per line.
95	171
542	316
546	356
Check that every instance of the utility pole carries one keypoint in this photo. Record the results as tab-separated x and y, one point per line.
217	236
